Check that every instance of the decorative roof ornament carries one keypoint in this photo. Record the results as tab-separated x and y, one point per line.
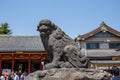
103	28
78	38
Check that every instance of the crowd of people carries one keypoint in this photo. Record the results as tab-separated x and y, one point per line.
13	76
115	73
112	74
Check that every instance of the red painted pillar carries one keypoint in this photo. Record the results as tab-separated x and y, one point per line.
41	62
29	64
13	60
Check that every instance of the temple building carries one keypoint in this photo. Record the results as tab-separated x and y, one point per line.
102	46
21	53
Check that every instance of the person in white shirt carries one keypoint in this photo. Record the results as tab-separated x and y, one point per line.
16	77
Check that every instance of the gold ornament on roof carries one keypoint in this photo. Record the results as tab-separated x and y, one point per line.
78	39
103	28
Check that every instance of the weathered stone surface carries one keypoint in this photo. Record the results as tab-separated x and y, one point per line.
66	74
62	49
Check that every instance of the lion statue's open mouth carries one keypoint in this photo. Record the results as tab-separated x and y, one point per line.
62	49
44	30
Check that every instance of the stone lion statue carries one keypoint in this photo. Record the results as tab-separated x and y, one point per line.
62	50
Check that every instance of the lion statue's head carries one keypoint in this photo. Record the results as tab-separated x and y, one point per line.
46	27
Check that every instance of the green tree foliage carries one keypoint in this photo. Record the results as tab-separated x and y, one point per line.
4	29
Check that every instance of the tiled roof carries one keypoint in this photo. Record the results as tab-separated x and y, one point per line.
117	53
102	27
20	43
100	53
104	61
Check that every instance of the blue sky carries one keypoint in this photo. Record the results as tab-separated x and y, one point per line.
74	17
